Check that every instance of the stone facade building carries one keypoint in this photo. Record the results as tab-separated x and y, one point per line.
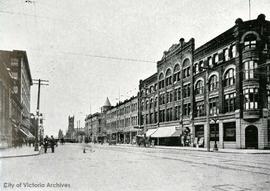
16	81
218	92
122	121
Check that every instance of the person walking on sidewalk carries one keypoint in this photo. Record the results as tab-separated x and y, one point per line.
52	143
46	143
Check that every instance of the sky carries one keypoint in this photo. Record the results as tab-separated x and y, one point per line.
93	49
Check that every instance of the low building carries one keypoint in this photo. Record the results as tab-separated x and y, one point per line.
122	121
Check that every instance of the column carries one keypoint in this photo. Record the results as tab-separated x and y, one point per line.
221	143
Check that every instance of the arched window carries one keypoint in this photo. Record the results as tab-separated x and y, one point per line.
161	81
176	73
168	77
199	87
229	77
250	41
213	83
186	70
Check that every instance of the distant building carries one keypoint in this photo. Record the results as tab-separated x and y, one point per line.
70	134
122	121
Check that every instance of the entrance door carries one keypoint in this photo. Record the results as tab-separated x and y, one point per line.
251	137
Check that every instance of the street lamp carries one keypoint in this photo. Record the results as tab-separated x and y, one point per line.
215	120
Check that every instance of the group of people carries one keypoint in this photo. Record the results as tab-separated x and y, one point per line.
49	142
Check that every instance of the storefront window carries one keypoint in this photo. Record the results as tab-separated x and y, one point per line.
229	131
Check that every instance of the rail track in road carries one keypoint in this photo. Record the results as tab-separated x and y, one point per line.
207	159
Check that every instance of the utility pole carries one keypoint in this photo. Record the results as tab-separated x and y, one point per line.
38	82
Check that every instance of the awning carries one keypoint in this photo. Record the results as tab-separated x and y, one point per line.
167	132
150	132
26	132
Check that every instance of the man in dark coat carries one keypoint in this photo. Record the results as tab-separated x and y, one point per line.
46	143
52	144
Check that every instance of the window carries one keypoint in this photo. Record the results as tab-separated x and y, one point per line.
215	58
168	77
250	41
196	68
186	91
187	109
186	72
226	54
199	109
213	83
199	87
249	69
162	115
176	75
210	62
229	104
229	78
201	66
251	98
233	51
161	81
229	131
213	106
177	112
179	93
169	114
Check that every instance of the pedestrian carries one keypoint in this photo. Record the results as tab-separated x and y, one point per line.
52	143
46	143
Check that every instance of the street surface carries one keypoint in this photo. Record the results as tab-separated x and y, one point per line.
110	168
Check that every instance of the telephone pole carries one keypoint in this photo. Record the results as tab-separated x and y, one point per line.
38	82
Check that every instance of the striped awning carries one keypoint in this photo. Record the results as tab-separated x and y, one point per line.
166	132
27	133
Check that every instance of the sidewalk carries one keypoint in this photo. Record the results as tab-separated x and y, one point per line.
235	151
18	152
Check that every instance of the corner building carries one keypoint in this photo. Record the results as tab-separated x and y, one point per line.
219	91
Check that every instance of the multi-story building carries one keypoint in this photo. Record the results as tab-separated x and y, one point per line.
93	126
218	92
15	105
122	121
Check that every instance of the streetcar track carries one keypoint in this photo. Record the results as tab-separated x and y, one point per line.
227	167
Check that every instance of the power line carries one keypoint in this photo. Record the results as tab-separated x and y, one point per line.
100	56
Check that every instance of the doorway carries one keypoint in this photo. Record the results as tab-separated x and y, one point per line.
251	137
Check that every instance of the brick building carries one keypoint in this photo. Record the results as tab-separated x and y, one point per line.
219	91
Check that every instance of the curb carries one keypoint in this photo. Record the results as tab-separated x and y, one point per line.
17	156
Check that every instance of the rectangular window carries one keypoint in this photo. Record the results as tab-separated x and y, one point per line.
187	109
251	98
229	103
213	106
199	109
250	69
229	131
